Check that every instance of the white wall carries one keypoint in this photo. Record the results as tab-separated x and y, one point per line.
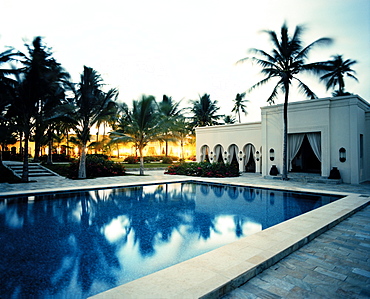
340	121
227	135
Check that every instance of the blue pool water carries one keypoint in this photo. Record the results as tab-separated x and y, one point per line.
80	244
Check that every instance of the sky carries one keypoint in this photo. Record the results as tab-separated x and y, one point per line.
187	48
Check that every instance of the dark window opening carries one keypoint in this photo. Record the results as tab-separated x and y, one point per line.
306	160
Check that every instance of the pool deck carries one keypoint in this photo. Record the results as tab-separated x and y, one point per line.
322	254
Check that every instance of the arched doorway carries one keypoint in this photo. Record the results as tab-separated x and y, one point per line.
218	157
204	156
233	155
249	164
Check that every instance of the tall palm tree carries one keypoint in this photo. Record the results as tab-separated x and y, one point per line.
171	112
286	60
141	125
337	69
239	105
204	112
91	105
7	92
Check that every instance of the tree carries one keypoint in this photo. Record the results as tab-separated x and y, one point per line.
91	105
7	92
48	77
182	131
337	68
239	105
286	60
229	120
171	112
141	125
204	112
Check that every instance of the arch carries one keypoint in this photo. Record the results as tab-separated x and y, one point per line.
204	153
218	154
249	163
233	156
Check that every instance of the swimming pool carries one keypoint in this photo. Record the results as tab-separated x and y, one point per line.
87	242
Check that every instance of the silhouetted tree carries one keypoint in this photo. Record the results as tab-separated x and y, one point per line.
204	112
337	70
239	105
91	105
141	125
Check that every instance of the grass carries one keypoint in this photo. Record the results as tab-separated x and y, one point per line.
59	168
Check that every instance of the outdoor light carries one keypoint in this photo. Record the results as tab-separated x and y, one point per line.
272	154
257	155
342	154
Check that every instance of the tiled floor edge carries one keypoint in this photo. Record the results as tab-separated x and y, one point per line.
244	277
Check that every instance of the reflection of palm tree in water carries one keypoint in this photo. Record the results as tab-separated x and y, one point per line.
238	226
204	224
96	257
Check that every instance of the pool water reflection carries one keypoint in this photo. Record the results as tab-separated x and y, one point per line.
81	244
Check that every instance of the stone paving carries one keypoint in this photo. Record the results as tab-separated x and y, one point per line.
334	265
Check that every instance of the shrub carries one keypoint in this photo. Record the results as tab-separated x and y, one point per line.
56	158
204	169
97	166
167	160
131	160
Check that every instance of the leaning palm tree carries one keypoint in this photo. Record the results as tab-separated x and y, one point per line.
337	69
91	105
204	112
239	105
141	125
286	60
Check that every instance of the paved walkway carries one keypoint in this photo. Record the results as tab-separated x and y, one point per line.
334	265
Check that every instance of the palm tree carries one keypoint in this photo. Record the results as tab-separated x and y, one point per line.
7	92
204	112
286	60
171	112
141	125
91	105
239	105
229	120
182	132
337	69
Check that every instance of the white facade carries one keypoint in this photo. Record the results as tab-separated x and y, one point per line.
320	133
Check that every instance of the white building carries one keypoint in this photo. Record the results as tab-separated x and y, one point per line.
322	134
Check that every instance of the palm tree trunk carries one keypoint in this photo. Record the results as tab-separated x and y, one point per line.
82	163
50	151
67	149
285	134
141	161
25	156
